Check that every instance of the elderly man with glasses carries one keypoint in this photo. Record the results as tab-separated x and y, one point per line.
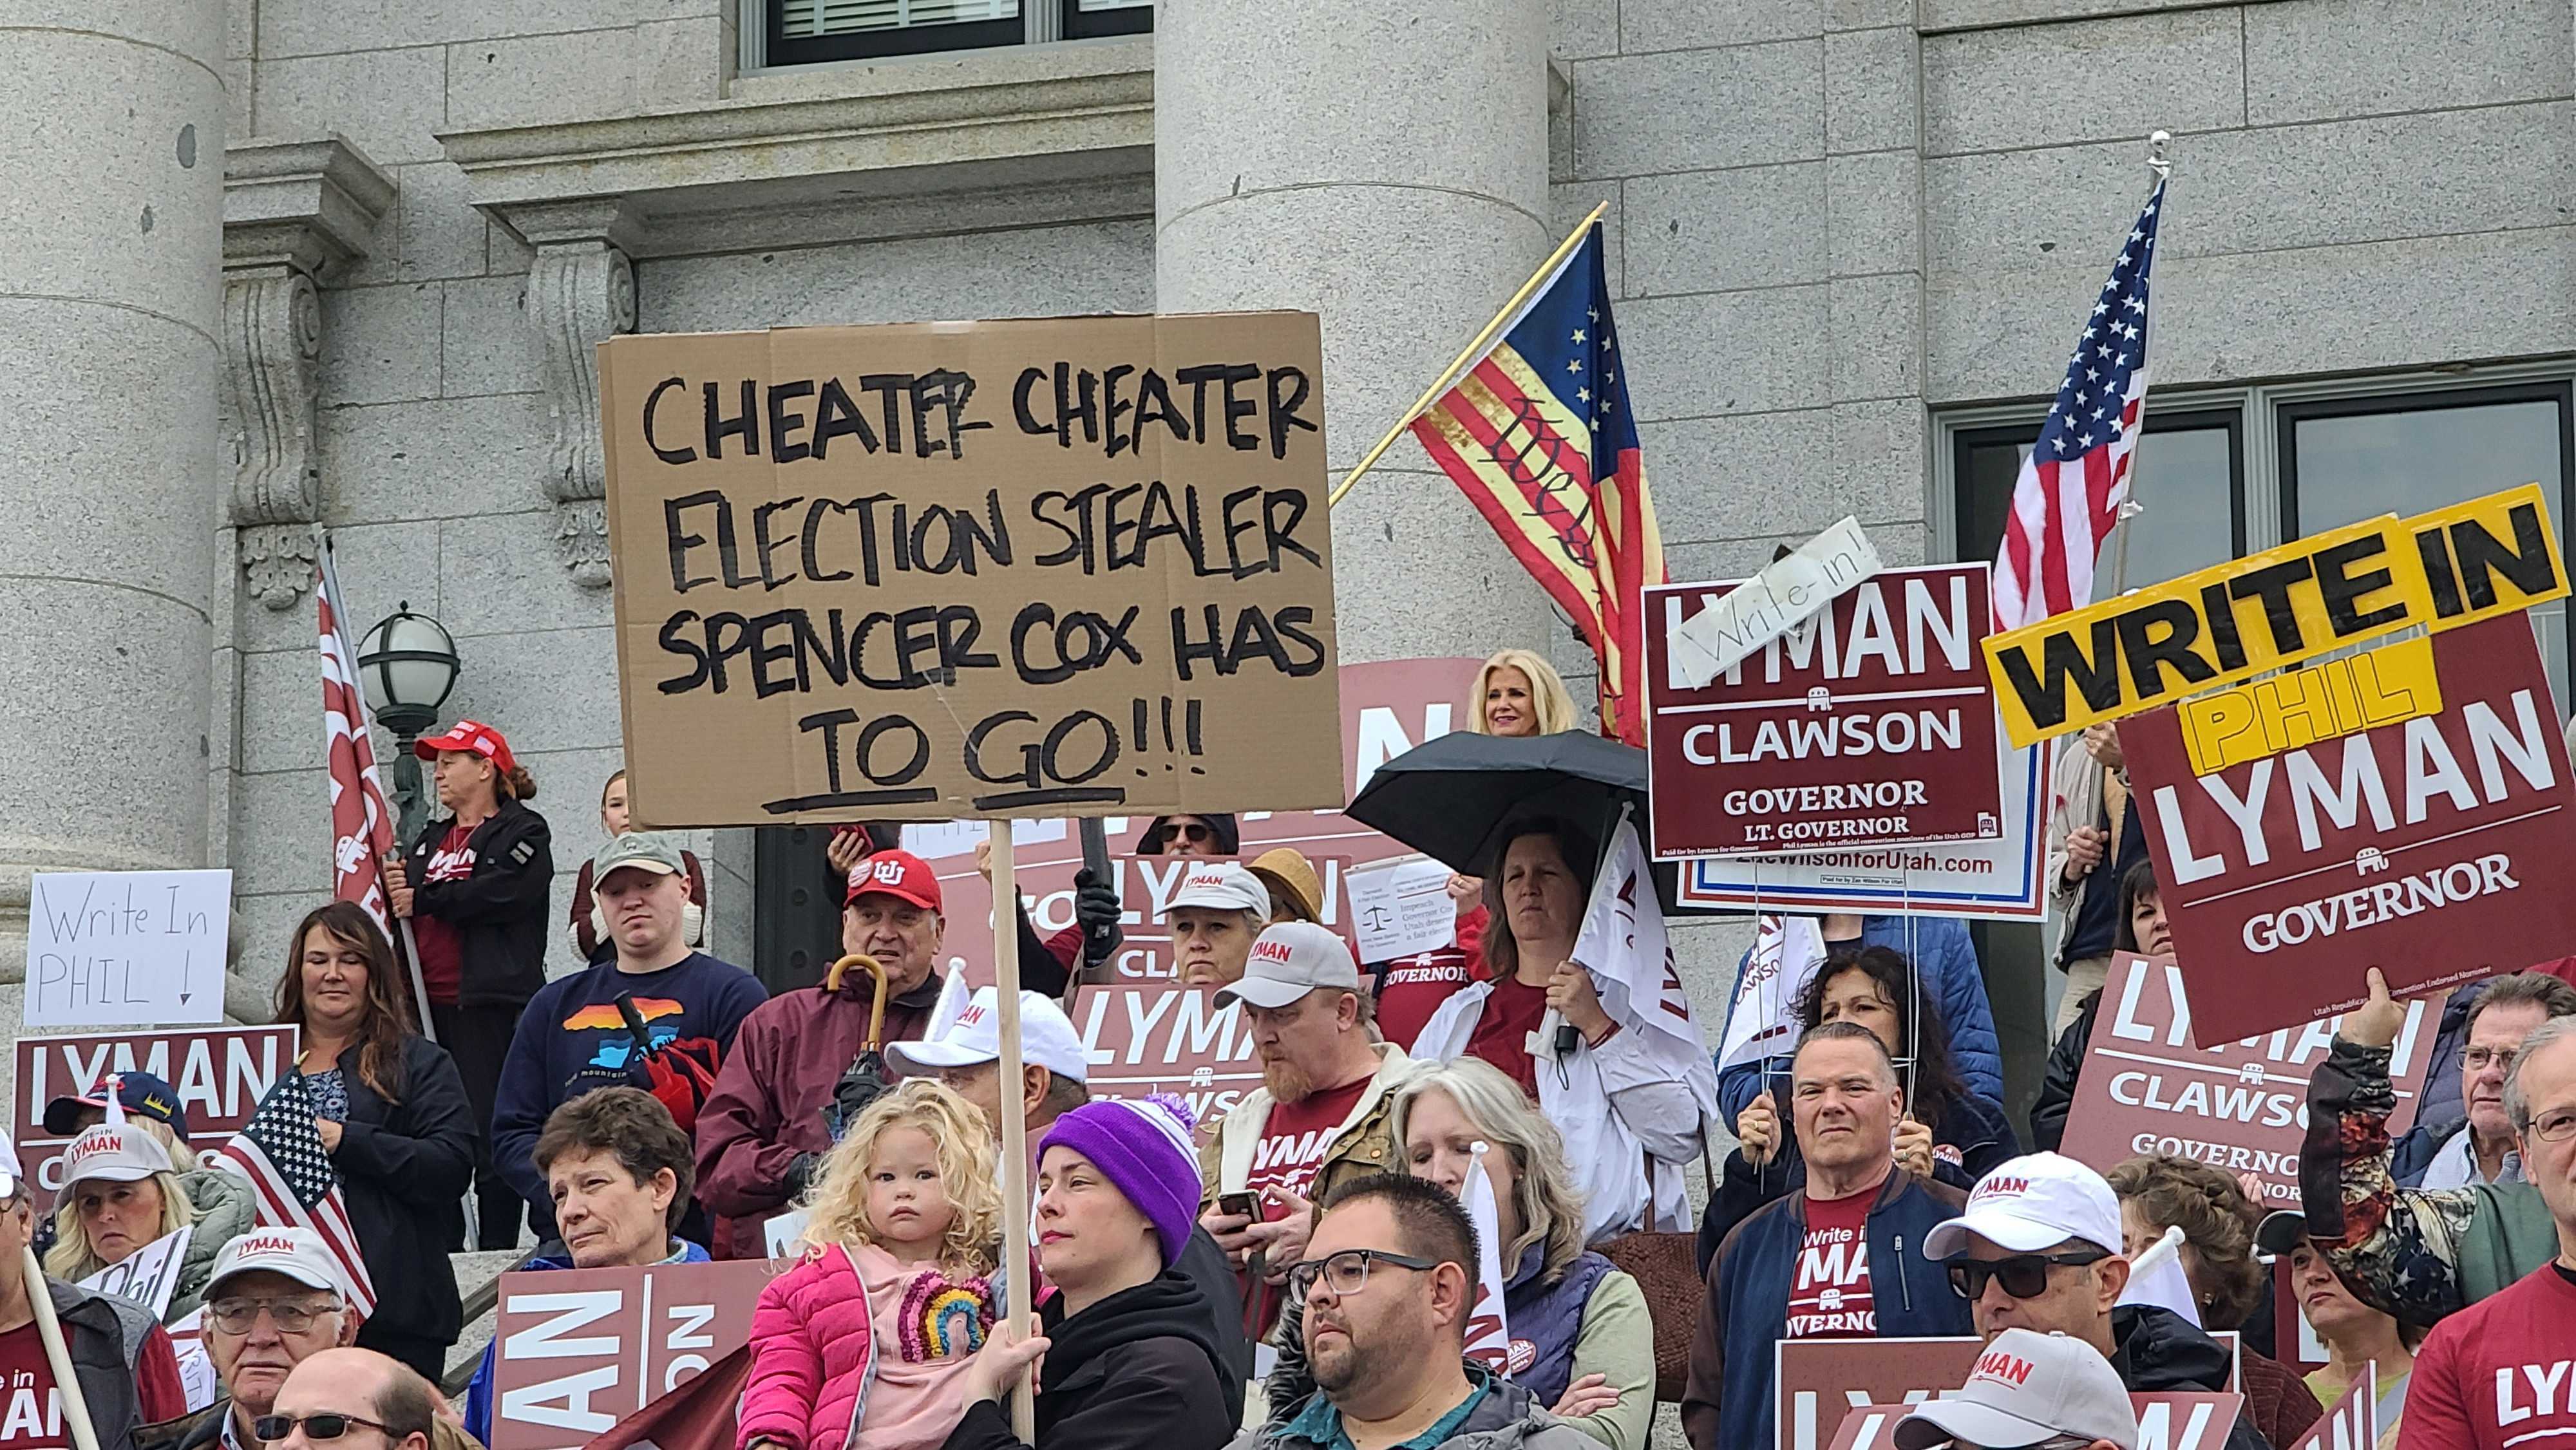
1388	1280
2039	1249
274	1301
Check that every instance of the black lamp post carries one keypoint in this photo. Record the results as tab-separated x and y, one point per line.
408	666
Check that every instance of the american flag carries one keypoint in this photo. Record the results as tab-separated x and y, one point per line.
280	1152
362	828
1538	434
2073	482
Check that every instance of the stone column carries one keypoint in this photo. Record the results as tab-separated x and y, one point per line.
1386	167
111	299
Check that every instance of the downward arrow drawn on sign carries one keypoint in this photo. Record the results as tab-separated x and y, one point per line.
1792	590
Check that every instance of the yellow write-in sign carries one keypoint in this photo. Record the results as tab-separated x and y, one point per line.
2316	702
2226	624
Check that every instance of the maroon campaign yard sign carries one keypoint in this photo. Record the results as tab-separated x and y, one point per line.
2242	1106
2436	849
221	1073
1871	724
577	1350
1144	1040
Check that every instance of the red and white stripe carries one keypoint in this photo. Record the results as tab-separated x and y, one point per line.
362	830
277	1206
2063	511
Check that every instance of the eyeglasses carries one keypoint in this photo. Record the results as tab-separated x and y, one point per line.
2024	1276
236	1316
2554	1127
2478	1058
1347	1272
273	1428
1192	832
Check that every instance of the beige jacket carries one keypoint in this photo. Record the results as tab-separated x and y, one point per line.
1364	1144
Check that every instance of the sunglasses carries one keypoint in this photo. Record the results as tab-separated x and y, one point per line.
2024	1276
1191	831
273	1428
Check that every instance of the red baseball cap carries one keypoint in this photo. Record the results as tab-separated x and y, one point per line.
474	738
899	874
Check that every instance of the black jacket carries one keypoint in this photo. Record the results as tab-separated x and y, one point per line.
403	1169
1136	1371
1975	1127
2057	1084
501	911
197	1430
2159	1351
105	1337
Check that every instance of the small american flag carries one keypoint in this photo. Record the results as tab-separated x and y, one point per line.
281	1153
2073	482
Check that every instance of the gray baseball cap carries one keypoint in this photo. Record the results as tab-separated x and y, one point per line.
644	850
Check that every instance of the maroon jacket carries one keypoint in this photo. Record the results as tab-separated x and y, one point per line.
769	1097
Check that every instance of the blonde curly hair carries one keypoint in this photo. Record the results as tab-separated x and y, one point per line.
961	1139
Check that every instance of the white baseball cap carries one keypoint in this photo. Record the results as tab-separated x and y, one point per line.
297	1253
1288	961
1223	886
2028	1388
2030	1203
1047	1038
113	1153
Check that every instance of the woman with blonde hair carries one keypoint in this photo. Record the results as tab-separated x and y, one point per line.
129	1192
1519	693
867	1339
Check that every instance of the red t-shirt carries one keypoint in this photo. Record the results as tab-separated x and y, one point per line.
1295	1137
1502	1032
31	1408
442	950
2500	1372
1413	987
1829	1295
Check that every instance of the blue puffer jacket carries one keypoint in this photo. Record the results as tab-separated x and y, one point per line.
1947	963
1726	1402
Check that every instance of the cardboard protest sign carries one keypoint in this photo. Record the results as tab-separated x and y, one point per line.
2241	1106
1818	1383
1388	707
1145	1040
220	1073
2441	570
117	948
2165	1422
1870	724
576	1350
2435	849
1401	908
1999	880
1039	567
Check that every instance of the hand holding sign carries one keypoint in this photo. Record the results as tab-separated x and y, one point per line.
1571	995
2376	1022
1757	1129
1914	1148
1014	1345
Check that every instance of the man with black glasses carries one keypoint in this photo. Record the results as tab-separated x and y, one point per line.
352	1399
2039	1249
1830	1259
274	1301
1388	1279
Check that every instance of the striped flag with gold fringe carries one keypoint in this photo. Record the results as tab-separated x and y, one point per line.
1538	433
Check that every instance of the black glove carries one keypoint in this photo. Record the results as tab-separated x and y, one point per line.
862	1083
1096	910
800	1174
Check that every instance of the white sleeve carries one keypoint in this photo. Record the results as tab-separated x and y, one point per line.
1647	1077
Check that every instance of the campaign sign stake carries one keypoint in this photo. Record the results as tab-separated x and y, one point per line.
122	948
2434	848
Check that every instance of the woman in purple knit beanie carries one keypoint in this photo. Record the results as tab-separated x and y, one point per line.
1126	1353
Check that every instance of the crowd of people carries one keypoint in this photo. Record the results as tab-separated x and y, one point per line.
1303	1271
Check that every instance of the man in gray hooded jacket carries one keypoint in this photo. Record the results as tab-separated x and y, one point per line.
1389	1283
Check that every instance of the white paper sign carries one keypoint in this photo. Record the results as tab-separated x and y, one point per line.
1401	908
785	1234
127	948
1784	595
149	1274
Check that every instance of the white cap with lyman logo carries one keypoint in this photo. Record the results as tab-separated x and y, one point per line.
1289	960
2030	1203
1223	886
2027	1389
1047	1039
294	1252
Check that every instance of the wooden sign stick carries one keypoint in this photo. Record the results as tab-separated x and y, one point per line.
1017	1289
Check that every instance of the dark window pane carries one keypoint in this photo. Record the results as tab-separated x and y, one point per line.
2184	473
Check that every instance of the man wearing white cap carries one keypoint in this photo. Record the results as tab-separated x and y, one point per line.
2029	1390
275	1301
2040	1249
1054	1075
1319	1117
1218	910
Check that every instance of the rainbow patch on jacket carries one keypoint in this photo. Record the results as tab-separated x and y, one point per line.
943	1318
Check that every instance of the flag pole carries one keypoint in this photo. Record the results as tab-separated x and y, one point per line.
2130	508
1484	338
1015	1120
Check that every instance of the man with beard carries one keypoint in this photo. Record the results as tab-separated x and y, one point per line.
1319	1117
1388	1283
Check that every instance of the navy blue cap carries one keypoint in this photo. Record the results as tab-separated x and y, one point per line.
143	1094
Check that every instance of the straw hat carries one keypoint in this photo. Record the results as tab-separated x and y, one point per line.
1294	886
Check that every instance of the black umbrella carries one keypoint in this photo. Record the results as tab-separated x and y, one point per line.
1450	798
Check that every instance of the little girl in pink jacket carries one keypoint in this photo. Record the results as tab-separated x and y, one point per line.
894	1294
